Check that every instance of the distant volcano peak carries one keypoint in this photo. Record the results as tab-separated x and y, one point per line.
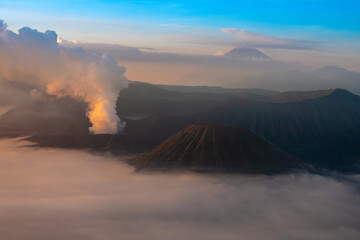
246	54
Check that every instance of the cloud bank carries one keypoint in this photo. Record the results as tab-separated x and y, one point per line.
36	58
57	194
250	39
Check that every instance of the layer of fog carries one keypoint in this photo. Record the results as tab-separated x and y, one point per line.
60	194
195	70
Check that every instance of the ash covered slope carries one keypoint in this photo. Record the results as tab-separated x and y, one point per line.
215	147
324	131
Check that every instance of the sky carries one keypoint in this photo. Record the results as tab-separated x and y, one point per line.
310	32
121	21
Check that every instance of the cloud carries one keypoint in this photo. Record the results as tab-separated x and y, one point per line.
61	194
13	94
172	68
250	39
65	42
3	26
36	58
133	54
219	53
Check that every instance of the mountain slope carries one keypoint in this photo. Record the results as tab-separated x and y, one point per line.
213	89
324	132
214	147
143	99
323	129
246	54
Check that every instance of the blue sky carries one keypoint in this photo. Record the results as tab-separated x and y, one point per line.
196	25
330	14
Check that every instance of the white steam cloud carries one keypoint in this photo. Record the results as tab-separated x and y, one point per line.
37	58
59	194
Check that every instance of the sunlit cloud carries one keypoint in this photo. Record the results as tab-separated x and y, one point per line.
36	58
250	39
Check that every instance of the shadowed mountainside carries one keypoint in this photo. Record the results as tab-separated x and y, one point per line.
212	89
214	147
143	99
320	127
324	131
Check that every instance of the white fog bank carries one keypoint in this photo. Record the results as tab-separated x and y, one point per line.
60	194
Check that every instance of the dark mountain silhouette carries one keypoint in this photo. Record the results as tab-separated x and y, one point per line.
143	99
321	128
214	147
295	96
324	132
246	54
150	92
213	89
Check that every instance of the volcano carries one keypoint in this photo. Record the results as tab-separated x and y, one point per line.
246	54
215	147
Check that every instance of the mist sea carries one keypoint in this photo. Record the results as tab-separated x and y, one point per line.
65	194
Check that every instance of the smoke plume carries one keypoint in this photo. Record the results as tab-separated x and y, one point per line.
36	58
